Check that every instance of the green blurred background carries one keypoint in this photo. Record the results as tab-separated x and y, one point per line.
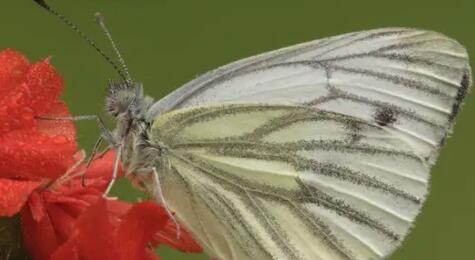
168	42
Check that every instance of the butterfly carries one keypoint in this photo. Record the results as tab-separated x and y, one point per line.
321	150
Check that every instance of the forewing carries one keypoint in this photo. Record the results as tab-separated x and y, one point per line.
412	80
288	182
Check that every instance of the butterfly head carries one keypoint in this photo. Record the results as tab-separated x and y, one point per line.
127	99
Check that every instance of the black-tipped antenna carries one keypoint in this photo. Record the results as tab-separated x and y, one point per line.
102	24
44	5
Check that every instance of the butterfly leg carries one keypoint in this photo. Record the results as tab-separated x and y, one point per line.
69	172
106	133
89	160
161	200
114	171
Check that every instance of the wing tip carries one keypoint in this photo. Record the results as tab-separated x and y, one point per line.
465	84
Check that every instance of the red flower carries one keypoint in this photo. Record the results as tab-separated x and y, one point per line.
28	91
40	178
26	143
52	211
100	238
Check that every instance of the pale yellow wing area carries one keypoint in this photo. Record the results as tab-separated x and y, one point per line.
288	182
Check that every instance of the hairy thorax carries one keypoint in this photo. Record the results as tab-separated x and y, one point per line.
139	156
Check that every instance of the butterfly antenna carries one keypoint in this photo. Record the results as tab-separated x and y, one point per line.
100	21
44	5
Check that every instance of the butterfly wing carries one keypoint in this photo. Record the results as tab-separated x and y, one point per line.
288	182
318	151
422	76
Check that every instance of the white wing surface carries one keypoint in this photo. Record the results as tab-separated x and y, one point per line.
318	151
413	77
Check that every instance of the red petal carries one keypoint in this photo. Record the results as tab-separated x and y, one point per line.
184	243
38	236
138	228
73	197
74	207
29	154
26	91
45	85
13	67
16	111
66	199
63	222
31	148
63	131
95	234
37	206
117	210
67	251
14	195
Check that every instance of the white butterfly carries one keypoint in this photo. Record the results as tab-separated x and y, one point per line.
322	150
318	151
